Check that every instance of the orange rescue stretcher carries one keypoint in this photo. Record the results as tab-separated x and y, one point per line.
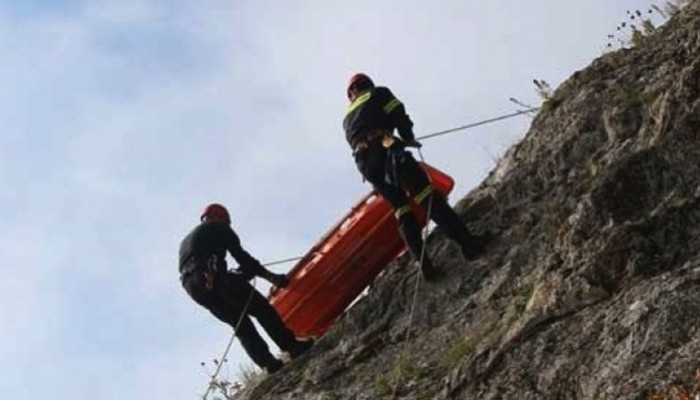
344	262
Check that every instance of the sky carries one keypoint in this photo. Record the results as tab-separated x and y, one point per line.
121	119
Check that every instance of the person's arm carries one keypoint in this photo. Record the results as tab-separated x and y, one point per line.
248	265
396	112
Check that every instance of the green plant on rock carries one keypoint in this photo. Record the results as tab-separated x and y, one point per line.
638	24
631	97
677	201
332	396
382	386
406	370
520	304
591	169
306	383
546	93
633	30
550	105
363	376
459	350
425	395
625	97
522	373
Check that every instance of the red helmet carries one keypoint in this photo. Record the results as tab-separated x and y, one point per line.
216	211
358	80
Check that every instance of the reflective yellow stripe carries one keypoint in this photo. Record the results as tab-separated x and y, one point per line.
360	100
403	210
425	193
390	106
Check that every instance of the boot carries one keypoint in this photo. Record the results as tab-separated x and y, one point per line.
429	271
449	221
300	347
273	366
472	246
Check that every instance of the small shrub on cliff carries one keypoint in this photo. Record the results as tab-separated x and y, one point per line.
639	24
462	348
406	372
520	303
382	386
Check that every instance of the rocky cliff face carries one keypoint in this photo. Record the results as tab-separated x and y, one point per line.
590	288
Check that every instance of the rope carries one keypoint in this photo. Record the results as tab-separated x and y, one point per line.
478	123
286	260
402	356
212	381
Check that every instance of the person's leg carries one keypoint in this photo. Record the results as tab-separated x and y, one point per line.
233	305
373	167
269	319
255	346
195	287
260	308
372	164
449	221
418	184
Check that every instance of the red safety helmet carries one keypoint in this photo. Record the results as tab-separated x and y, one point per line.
358	80
217	212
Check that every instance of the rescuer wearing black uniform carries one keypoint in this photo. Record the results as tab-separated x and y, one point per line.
369	122
228	294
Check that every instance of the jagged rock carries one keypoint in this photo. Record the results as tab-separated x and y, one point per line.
589	288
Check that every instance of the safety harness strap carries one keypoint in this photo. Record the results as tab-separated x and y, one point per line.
402	211
424	193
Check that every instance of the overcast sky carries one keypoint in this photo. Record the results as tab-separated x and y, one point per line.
121	119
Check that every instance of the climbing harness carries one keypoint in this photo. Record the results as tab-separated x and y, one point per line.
210	272
370	137
395	153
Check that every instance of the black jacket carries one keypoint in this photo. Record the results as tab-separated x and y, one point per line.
375	109
212	239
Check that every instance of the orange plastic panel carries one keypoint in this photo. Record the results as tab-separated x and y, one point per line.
344	262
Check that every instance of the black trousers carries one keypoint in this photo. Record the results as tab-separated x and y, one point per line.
227	301
373	164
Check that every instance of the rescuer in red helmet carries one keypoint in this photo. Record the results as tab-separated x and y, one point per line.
381	157
228	294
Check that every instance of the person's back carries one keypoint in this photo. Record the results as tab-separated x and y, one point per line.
206	246
368	113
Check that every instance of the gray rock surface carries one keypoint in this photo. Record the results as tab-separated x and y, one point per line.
590	288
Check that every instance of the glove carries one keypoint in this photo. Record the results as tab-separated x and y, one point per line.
413	143
278	280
